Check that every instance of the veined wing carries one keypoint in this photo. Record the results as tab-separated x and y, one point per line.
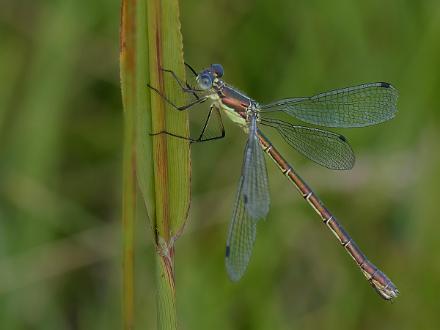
251	204
325	148
255	182
357	106
241	237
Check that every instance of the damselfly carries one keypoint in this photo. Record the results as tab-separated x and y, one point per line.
357	106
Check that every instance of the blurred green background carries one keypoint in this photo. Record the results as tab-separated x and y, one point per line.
60	169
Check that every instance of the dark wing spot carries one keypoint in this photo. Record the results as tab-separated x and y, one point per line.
245	199
227	251
342	138
385	85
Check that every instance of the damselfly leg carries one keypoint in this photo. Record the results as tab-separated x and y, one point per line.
191	68
214	110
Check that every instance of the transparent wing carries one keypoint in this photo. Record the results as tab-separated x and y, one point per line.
325	148
241	237
255	183
251	204
356	106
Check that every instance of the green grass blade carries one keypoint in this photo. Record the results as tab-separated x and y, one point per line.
171	156
159	165
129	86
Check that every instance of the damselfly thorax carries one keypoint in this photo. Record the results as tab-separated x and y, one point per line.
236	105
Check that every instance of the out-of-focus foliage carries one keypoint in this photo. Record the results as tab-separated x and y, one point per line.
60	169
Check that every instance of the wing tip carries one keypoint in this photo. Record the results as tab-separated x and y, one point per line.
233	274
387	85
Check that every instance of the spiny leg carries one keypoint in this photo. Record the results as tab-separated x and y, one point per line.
191	68
180	108
222	128
201	137
187	88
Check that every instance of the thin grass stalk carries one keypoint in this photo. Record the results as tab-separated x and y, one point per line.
129	191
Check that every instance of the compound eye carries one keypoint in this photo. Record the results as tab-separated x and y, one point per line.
205	81
217	69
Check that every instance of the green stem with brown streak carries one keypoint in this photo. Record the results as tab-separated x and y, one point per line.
151	40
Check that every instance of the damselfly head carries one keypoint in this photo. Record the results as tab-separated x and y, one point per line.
207	77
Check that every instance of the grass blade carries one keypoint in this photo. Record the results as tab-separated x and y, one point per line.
158	165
